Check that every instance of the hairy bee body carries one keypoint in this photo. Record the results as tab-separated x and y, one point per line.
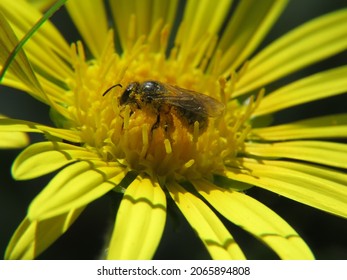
163	99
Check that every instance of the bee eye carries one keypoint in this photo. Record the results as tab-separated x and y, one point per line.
125	96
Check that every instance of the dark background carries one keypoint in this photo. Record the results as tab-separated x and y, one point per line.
324	233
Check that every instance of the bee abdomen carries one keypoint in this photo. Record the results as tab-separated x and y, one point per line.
190	117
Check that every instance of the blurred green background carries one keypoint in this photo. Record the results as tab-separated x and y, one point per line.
324	233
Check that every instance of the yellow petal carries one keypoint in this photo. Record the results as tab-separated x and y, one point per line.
202	20
13	140
48	60
317	86
32	238
74	187
89	16
280	177
48	63
248	26
10	140
333	126
165	10
147	13
317	171
327	153
20	66
45	157
41	5
307	44
14	125
56	92
162	16
140	221
23	16
216	238
257	219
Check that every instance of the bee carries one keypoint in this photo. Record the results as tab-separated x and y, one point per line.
163	99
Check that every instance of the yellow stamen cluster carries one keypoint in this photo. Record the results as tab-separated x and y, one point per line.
129	136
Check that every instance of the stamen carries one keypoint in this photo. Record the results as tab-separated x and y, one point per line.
155	33
208	53
145	142
179	34
189	163
126	116
173	54
73	53
131	31
258	99
168	148
165	163
243	134
80	51
164	38
196	131
125	134
233	78
214	65
222	82
242	70
249	105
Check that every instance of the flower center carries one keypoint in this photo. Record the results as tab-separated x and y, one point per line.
145	125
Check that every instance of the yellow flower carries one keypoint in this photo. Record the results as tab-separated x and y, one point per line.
156	149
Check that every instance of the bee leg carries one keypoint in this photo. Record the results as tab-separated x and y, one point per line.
167	124
156	124
165	121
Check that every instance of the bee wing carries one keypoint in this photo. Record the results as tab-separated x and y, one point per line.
192	101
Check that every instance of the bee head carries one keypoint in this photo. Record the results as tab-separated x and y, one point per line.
126	97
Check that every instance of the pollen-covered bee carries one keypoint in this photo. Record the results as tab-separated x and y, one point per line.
162	99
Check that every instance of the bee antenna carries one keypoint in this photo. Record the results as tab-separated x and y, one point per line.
117	85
